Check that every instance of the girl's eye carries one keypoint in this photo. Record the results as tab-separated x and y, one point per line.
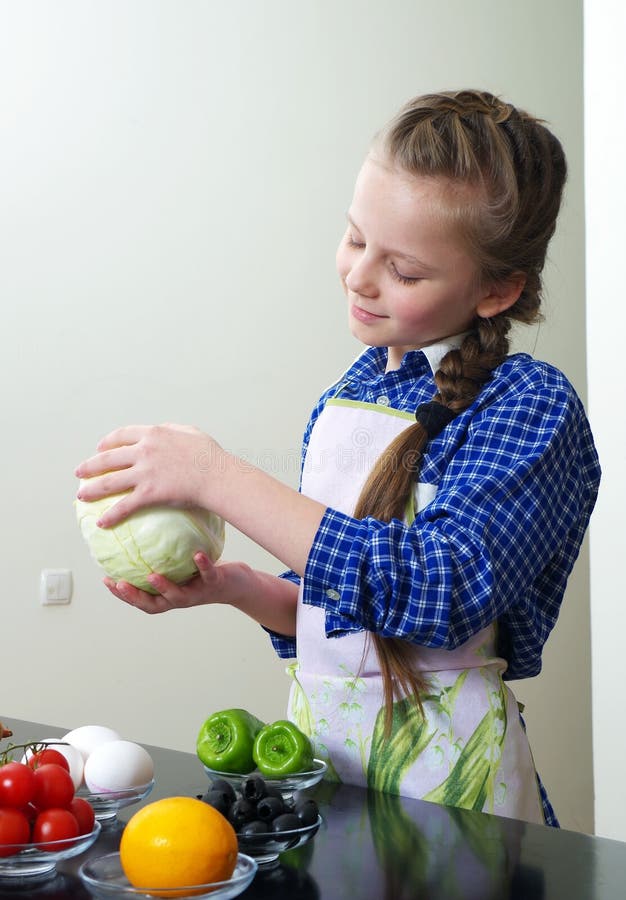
358	245
403	279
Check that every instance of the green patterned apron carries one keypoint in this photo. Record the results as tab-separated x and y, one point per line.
469	749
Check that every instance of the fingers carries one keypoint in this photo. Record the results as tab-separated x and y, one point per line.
148	603
109	473
121	510
112	586
115	451
202	588
100	486
211	576
163	585
109	461
132	434
119	437
205	565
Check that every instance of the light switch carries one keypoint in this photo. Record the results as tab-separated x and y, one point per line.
55	587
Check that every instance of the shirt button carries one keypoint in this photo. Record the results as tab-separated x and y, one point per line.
382	400
332	594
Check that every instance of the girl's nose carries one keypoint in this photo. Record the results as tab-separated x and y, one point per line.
361	279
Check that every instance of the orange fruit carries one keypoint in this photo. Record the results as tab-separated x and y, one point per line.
177	842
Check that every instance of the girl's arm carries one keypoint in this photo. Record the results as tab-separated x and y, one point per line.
180	466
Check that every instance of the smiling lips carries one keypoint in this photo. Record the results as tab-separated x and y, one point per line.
364	316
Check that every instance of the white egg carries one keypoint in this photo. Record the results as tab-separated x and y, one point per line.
73	756
118	766
87	737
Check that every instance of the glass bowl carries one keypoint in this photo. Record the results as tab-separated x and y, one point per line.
266	848
107	805
105	878
29	861
286	784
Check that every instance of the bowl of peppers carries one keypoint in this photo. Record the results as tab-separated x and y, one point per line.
234	743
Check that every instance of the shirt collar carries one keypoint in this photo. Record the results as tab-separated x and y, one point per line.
434	353
373	361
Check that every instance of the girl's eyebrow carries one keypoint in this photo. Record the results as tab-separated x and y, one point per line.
405	256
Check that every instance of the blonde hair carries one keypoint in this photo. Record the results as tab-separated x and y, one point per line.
505	173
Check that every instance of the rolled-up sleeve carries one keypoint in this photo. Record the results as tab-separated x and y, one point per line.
284	646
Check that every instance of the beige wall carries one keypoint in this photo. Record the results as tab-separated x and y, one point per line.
174	181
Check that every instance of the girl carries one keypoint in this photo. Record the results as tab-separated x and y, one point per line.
446	485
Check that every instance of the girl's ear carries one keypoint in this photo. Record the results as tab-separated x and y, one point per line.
500	296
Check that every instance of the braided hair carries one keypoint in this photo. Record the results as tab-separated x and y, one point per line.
504	173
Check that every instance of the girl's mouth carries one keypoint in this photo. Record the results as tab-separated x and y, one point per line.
364	316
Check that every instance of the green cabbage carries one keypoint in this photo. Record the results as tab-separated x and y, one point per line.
158	539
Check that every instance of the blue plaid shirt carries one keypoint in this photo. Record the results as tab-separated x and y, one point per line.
517	476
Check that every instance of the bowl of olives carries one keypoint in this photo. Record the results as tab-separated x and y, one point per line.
267	822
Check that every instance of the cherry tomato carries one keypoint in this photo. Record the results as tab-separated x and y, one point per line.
47	755
14	829
53	787
17	784
55	825
31	812
82	810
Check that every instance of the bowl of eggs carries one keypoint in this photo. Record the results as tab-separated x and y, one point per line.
107	770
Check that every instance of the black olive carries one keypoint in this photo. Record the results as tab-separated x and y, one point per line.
269	807
240	812
254	827
273	791
307	811
218	800
220	784
286	822
253	788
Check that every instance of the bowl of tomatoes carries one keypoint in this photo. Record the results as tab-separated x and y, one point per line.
42	821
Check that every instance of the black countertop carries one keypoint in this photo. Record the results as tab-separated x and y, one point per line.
382	847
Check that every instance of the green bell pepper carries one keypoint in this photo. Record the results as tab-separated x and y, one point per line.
226	740
282	749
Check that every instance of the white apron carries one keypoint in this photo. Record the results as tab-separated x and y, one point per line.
469	749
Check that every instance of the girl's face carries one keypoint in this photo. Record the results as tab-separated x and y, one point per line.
408	280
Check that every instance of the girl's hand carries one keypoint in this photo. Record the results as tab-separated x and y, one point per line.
266	598
215	583
156	465
174	465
